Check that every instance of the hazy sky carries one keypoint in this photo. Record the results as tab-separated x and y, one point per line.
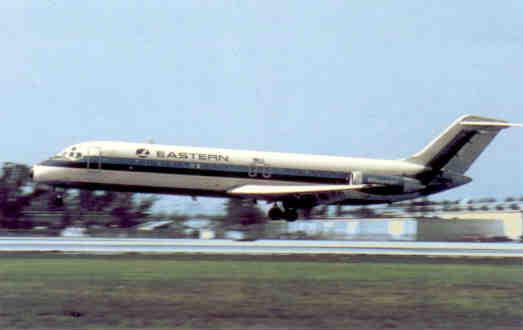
354	78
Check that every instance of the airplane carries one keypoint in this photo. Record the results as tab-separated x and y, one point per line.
288	181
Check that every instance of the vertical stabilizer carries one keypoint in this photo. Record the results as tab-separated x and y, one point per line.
460	144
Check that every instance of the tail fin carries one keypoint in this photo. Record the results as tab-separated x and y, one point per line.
460	145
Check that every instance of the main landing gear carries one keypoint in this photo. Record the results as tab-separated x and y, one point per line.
276	213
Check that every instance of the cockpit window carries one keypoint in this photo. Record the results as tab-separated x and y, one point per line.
71	153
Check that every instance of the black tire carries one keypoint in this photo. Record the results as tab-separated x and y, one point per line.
290	215
275	213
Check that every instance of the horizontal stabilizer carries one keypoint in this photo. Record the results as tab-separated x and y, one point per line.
490	123
279	190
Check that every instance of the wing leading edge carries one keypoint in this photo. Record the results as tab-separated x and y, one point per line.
278	191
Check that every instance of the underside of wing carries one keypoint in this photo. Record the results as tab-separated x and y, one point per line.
279	191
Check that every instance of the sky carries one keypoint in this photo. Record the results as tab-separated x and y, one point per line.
350	78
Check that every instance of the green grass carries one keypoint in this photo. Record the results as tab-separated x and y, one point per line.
195	291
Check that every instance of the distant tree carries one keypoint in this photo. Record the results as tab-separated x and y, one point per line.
339	211
514	206
129	209
500	207
243	215
426	209
411	209
183	217
88	208
307	213
422	202
98	201
243	211
487	200
16	193
484	208
509	199
364	212
109	208
320	211
400	205
446	205
177	220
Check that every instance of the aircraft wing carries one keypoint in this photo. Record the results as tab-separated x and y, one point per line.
281	191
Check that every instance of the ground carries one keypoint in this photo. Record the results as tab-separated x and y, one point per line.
58	291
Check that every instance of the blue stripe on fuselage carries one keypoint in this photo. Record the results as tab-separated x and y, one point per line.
201	169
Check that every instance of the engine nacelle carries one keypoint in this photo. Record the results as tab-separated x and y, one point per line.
406	185
412	185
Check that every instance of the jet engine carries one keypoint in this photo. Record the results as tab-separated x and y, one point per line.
404	184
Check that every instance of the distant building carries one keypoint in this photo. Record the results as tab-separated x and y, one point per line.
447	226
508	223
432	229
206	234
353	229
73	232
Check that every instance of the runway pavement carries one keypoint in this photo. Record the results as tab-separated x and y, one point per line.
145	245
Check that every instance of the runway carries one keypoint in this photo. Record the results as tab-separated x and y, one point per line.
141	245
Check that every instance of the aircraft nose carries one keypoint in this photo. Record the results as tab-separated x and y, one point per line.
48	174
36	173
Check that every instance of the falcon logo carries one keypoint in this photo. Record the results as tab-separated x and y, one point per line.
142	153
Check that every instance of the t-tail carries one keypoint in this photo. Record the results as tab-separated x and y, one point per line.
454	151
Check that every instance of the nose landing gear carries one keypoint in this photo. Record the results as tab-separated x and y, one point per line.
58	200
288	214
275	213
57	197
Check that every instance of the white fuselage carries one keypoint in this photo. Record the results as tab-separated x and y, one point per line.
201	171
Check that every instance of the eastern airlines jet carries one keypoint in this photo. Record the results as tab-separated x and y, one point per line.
290	181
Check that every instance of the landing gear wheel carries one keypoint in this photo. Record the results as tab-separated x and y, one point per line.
275	213
290	215
59	200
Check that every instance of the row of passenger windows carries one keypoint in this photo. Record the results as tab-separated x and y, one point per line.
219	167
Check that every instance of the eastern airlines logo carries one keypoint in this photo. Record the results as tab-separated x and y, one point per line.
144	153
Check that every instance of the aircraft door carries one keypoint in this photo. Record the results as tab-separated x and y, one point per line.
258	166
266	172
357	178
94	158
